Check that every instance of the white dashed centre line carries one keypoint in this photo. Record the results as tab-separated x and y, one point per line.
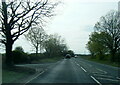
83	69
96	80
78	64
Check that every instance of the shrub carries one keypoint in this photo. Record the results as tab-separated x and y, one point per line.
19	56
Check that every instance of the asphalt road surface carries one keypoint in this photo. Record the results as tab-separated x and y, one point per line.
78	70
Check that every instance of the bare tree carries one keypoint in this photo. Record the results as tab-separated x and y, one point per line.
17	16
110	24
36	36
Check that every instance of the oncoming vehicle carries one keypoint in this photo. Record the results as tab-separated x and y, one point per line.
75	56
68	56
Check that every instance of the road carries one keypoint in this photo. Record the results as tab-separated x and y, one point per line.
78	70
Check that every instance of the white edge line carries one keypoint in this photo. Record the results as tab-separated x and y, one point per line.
96	80
34	77
83	69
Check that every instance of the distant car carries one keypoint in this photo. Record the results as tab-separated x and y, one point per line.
68	56
75	56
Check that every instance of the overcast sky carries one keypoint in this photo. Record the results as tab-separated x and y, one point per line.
74	21
77	20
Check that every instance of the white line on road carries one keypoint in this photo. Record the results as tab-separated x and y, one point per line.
102	75
83	69
34	77
96	80
102	71
78	64
36	70
108	79
117	77
46	69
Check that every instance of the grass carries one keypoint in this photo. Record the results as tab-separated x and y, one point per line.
107	62
48	60
10	75
14	74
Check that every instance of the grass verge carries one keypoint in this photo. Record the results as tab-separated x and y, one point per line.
10	76
48	60
107	62
15	74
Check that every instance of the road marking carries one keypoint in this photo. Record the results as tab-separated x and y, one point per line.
96	80
109	79
36	70
83	69
75	62
98	73
102	70
34	77
86	63
90	65
78	64
117	77
46	69
102	75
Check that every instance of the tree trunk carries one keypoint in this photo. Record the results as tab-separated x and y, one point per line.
9	41
36	51
9	58
113	56
40	48
101	56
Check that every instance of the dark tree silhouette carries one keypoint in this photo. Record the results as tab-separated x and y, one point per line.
17	16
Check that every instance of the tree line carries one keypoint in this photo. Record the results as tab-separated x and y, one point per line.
104	42
51	45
